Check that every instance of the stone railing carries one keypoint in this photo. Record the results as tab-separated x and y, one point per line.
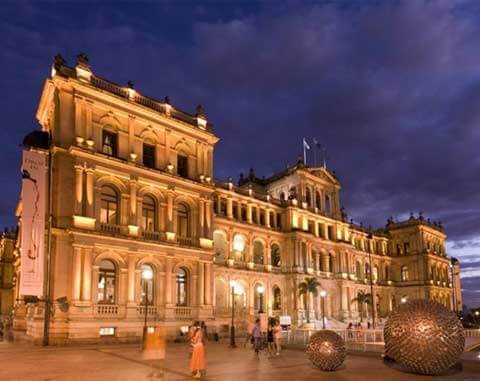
152	236
106	310
110	228
185	241
472	332
151	310
183	313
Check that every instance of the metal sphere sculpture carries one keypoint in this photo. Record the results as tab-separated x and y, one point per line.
326	350
424	337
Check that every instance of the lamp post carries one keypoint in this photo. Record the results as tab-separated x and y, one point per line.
323	294
233	284
477	313
147	274
370	236
403	299
261	290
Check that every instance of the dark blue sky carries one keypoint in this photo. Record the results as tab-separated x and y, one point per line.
392	89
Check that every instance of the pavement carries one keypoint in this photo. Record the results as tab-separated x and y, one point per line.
125	362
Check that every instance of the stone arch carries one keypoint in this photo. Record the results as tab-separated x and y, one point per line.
109	121
112	181
183	147
149	135
110	255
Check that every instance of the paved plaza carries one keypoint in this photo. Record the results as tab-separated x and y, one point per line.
24	362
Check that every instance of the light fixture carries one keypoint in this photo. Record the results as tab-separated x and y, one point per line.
147	273
233	283
261	289
403	299
323	293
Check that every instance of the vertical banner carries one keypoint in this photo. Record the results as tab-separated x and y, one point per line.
34	194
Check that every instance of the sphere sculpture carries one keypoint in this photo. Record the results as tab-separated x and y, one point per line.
424	337
326	350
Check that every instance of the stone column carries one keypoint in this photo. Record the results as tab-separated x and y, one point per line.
170	211
317	261
326	263
257	209
89	193
88	121
249	213
133	202
208	284
168	281
131	279
78	190
201	284
208	219
78	116
239	211
201	218
76	273
229	208
267	218
87	276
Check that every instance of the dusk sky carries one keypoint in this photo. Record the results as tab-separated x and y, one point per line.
391	89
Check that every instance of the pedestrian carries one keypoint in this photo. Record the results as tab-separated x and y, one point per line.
349	329
277	334
270	339
257	336
197	363
204	332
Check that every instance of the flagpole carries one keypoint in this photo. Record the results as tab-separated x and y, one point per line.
304	153
324	158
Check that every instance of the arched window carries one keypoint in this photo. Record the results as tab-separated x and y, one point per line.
147	285
219	243
148	214
183	229
387	273
277	298
358	270
309	197
275	255
330	263
182	283
108	205
259	299
328	204
293	193
109	143
239	247
182	165
318	200
258	253
404	273
375	273
282	196
367	270
106	282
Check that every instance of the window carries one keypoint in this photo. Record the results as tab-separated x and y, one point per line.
182	165
358	270
147	286
108	206
328	204
318	200
181	287
406	246
387	273
109	143
277	298
309	197
258	252
239	247
148	214
367	270
219	244
399	249
259	298
404	273
182	221
106	282
279	221
375	273
149	155
275	256
282	196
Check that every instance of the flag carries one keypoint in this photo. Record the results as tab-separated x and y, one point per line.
305	144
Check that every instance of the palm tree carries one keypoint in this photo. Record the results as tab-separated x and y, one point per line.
308	286
362	299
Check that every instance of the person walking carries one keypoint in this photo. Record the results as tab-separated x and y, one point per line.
277	334
270	339
257	336
197	363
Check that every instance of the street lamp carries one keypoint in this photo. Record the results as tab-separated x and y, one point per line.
323	294
477	313
403	299
147	274
233	284
261	290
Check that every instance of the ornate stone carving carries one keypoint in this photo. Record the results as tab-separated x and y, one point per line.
326	350
424	337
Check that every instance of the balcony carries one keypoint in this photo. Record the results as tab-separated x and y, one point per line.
185	241
151	310
106	310
152	236
183	313
110	228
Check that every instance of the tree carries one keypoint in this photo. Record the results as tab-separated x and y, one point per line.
308	286
363	299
